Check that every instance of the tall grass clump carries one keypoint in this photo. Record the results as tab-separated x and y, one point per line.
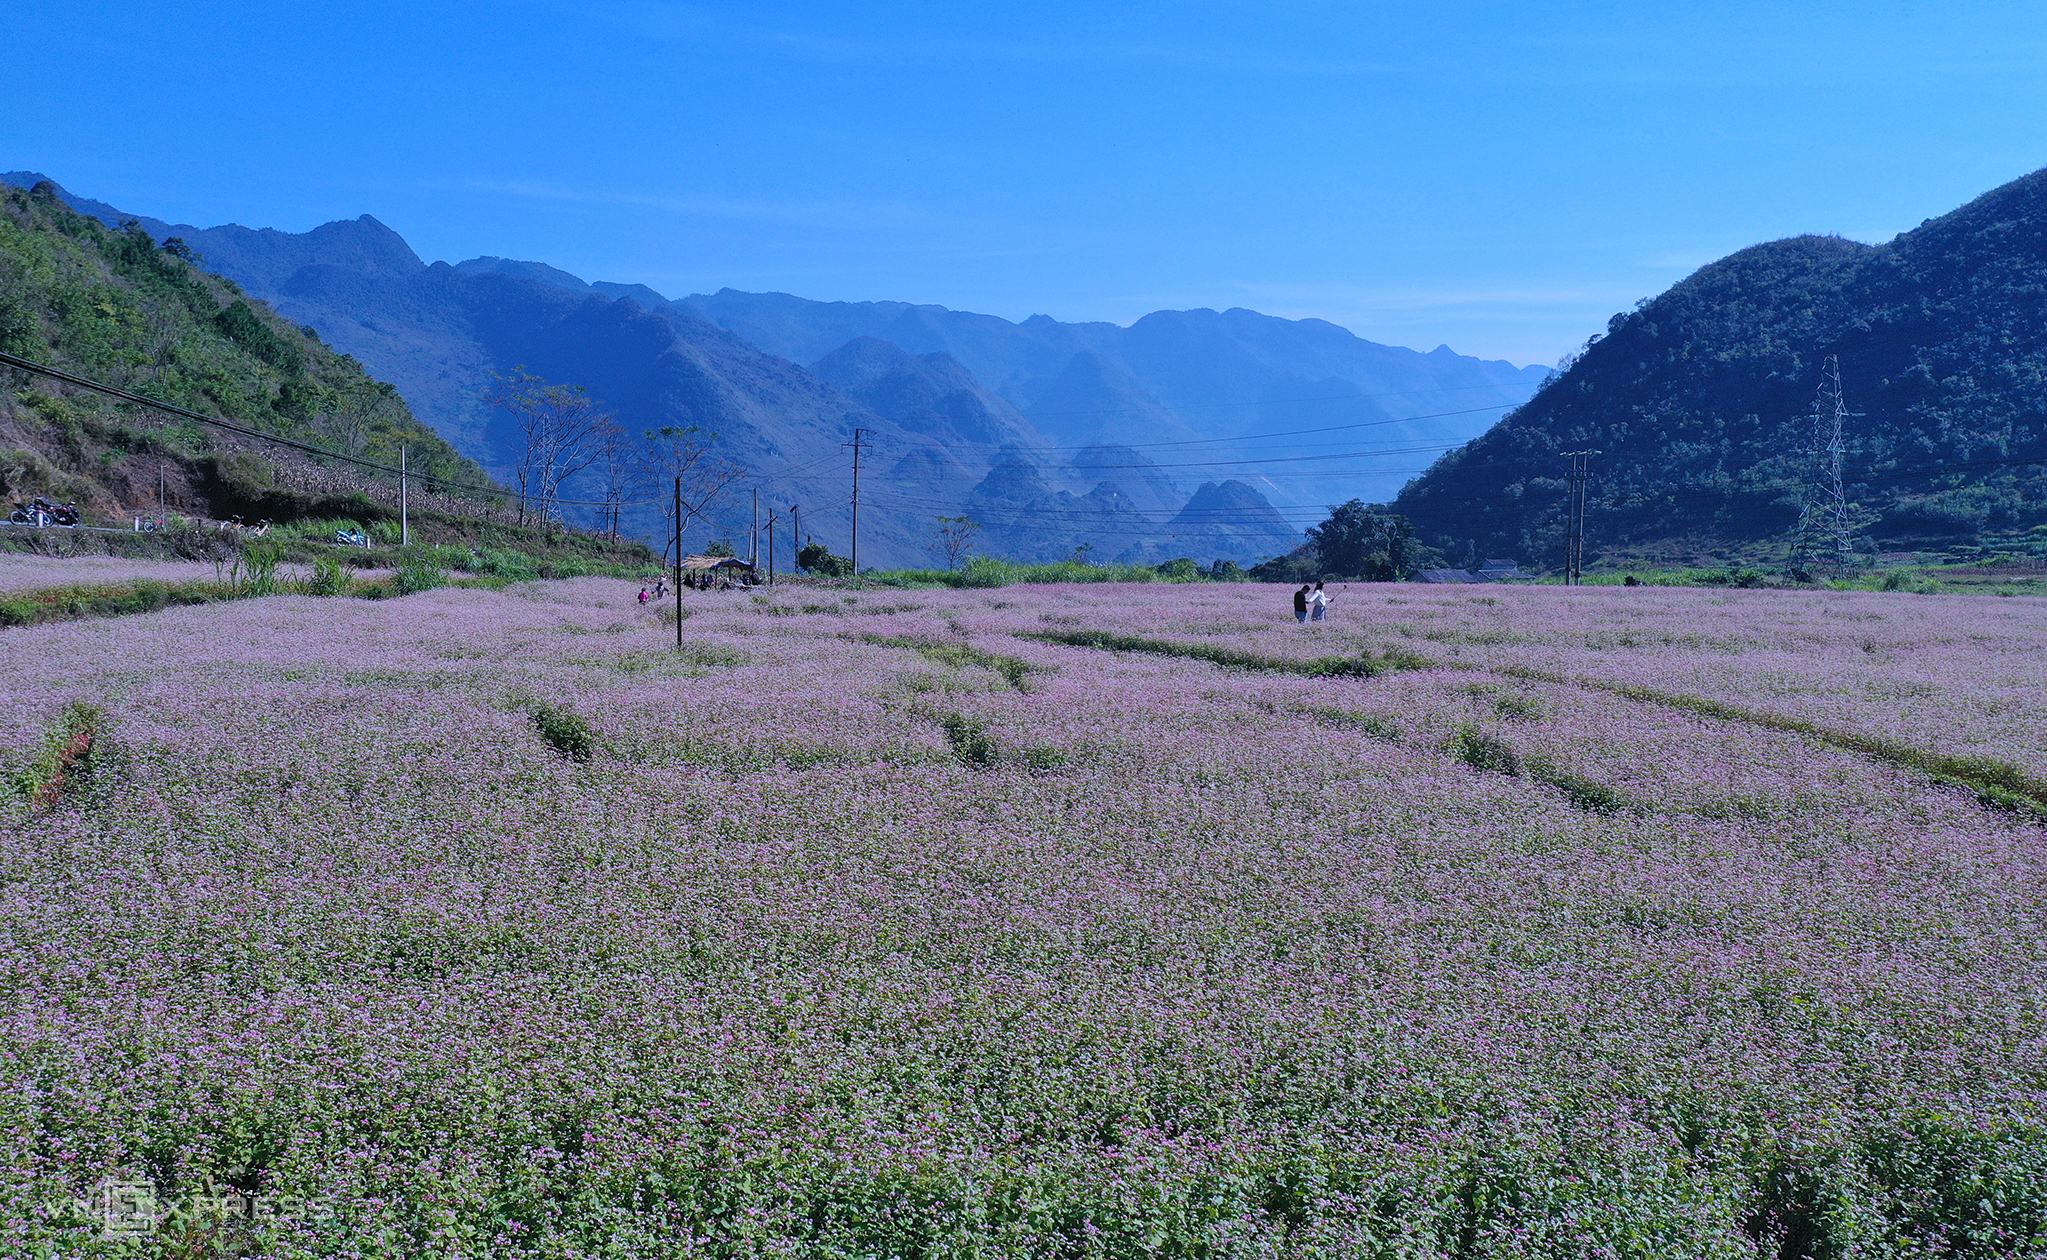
329	578
417	573
564	730
255	568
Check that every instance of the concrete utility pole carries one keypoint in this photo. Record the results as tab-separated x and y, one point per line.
795	532
1574	547
772	518
858	446
678	563
404	507
753	540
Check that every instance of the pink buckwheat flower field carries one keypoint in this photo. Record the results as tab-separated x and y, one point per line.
1043	921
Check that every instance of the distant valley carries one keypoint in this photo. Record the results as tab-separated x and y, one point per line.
1189	433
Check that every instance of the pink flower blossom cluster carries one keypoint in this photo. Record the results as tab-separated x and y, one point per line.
870	927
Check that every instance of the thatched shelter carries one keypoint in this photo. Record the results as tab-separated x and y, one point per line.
707	571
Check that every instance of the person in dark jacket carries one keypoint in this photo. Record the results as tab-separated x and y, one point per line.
1301	604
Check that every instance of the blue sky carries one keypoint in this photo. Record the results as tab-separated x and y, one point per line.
1498	177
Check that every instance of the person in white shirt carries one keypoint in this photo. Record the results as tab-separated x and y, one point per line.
1318	604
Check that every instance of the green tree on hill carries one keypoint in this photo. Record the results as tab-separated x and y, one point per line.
1368	543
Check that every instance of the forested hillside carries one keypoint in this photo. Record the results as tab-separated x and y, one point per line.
1699	404
115	306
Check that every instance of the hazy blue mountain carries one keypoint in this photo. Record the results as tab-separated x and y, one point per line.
930	394
1224	378
1227	520
1156	494
1025	516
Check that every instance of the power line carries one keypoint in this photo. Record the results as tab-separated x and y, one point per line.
199	417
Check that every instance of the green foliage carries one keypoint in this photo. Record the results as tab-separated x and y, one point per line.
255	568
1362	543
111	305
416	573
65	757
1746	579
1350	720
720	547
817	558
987	573
240	324
564	730
969	739
114	599
329	578
958	655
18	331
1583	793
1181	570
1482	750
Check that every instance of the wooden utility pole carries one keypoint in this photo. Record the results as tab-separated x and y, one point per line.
795	534
678	563
772	518
858	446
753	540
404	506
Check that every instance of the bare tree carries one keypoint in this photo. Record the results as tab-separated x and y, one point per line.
559	430
685	452
955	538
619	462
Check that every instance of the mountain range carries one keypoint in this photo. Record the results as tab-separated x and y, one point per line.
1700	404
1174	436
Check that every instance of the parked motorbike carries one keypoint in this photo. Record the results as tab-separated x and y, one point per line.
41	512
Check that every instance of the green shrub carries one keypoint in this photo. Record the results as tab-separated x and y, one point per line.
569	735
969	740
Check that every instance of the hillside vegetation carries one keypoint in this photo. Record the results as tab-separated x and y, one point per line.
111	305
1699	404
